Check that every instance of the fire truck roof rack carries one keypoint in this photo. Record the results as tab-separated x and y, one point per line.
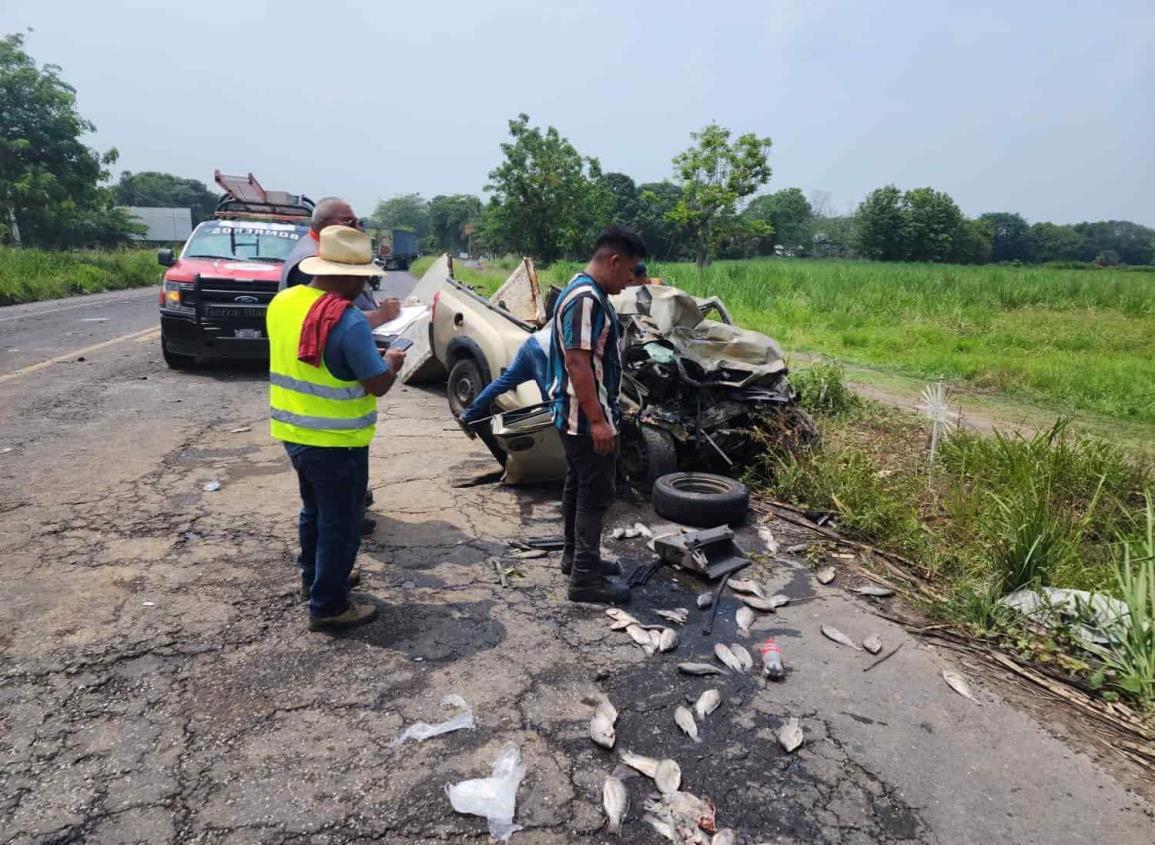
245	199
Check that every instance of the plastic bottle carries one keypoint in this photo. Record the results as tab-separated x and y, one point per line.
772	666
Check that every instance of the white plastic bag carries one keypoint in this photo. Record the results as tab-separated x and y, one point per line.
421	731
492	797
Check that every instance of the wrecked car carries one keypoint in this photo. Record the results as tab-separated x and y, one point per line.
698	391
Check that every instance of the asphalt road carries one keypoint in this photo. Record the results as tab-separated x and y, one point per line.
157	683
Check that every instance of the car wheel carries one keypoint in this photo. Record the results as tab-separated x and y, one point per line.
701	499
465	383
647	454
175	361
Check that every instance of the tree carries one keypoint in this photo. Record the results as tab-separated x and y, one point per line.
449	219
150	189
974	241
1116	241
714	175
548	200
933	225
50	182
880	225
405	211
626	198
663	237
1052	242
788	214
1010	236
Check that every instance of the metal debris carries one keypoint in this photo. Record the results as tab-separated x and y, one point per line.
837	636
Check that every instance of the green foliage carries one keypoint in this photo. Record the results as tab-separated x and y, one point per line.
918	225
627	198
822	389
28	275
1131	652
714	175
454	222
150	189
50	192
406	211
880	225
548	200
1010	236
788	215
664	238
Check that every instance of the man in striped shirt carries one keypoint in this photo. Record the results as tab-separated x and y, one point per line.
585	376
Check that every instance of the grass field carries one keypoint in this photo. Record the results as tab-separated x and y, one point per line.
29	275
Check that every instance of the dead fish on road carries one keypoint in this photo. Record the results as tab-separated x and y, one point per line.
723	653
668	640
705	600
648	766
641	637
684	719
668	777
616	802
873	590
605	706
959	684
779	600
529	554
873	644
745	618
656	637
765	535
790	735
617	613
707	703
838	637
678	615
681	817
744	657
745	585
825	575
797	548
699	669
725	836
758	603
602	730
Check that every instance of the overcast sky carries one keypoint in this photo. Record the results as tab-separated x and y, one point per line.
1045	108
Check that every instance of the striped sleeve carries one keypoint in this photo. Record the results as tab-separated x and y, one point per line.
581	322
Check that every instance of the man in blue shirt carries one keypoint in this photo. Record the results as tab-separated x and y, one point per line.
530	363
585	378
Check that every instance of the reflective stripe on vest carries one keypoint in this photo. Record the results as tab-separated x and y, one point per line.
309	405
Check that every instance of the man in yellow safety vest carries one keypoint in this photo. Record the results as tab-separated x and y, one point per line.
325	375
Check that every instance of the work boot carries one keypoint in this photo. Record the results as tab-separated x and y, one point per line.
595	588
368	526
608	567
355	614
354	581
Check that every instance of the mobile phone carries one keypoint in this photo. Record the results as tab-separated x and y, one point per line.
401	343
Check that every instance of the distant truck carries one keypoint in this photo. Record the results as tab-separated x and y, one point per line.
396	248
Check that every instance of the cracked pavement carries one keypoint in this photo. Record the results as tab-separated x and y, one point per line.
157	683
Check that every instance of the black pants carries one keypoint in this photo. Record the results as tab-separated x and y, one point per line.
590	481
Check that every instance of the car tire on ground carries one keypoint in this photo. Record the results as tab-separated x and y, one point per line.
701	499
465	383
175	361
647	453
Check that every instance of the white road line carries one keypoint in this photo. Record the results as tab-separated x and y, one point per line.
38	312
74	354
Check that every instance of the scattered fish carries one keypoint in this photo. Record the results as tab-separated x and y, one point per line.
797	548
616	802
778	600
699	669
606	707
643	531
618	613
656	637
602	730
825	575
648	766
837	636
745	618
705	600
707	703
873	590
873	644
790	735
668	777
530	554
684	719
765	535
678	615
744	657
622	624
642	637
725	836
758	603
664	828
723	653
681	817
959	684
745	585
668	640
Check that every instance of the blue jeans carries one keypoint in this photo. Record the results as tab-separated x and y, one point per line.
530	363
333	482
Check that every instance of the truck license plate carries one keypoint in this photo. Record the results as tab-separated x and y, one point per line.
247	334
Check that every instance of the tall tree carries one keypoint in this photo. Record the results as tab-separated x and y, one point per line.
880	225
714	175
933	225
626	198
150	189
1010	236
547	199
663	237
1053	242
1125	242
404	211
50	181
449	217
788	213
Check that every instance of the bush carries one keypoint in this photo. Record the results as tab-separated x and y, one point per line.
29	275
822	389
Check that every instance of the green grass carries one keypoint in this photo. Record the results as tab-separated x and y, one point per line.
29	275
1067	340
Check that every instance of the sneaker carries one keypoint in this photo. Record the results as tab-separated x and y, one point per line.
608	567
368	526
354	581
355	614
599	590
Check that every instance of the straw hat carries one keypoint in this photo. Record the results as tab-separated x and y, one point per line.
342	251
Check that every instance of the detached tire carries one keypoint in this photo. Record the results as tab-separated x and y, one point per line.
646	455
701	499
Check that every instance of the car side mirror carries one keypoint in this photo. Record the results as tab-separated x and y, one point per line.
164	258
